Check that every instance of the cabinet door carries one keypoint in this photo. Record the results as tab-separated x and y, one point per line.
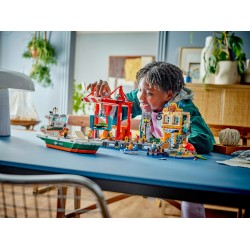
237	107
210	103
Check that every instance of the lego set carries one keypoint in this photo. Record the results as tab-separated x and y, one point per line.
175	125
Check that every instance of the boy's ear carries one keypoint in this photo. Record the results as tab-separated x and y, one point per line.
168	95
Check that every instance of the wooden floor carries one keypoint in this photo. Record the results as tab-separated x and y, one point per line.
147	207
131	207
140	207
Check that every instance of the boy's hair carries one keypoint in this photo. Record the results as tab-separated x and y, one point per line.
164	75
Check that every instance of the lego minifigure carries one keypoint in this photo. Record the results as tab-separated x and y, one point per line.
153	148
89	134
130	146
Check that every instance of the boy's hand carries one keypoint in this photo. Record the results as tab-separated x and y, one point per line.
100	88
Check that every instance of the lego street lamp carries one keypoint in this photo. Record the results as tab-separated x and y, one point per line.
10	80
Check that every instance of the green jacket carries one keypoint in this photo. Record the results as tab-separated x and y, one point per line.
201	136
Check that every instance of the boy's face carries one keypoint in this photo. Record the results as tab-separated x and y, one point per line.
152	98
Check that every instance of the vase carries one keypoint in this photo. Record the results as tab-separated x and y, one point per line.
205	54
246	74
226	73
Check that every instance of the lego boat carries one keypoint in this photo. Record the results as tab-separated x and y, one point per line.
71	144
55	135
130	151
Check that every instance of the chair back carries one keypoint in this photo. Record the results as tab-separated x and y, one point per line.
68	196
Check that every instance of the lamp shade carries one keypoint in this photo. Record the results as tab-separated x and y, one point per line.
13	80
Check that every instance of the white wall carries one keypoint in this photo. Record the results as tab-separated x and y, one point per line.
93	51
13	44
91	60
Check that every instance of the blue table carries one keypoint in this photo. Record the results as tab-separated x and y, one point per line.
202	181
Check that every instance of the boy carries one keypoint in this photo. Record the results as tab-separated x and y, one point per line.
158	84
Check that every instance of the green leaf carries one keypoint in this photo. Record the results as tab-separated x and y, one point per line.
41	74
226	46
78	104
223	56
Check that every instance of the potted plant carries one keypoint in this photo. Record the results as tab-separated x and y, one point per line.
227	61
40	50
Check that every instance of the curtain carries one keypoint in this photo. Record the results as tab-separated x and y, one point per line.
162	46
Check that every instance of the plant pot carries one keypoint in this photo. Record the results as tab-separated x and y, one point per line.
34	52
226	73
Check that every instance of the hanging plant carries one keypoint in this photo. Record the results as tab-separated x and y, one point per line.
43	54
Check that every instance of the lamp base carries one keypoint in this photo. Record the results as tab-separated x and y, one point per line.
4	113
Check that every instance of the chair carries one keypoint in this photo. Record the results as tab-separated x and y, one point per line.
71	191
83	123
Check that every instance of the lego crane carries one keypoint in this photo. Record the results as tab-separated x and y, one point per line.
120	101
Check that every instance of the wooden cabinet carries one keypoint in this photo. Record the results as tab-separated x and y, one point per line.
223	104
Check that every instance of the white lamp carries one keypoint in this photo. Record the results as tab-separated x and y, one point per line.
10	80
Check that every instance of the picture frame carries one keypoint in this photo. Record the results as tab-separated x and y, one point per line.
189	62
123	69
